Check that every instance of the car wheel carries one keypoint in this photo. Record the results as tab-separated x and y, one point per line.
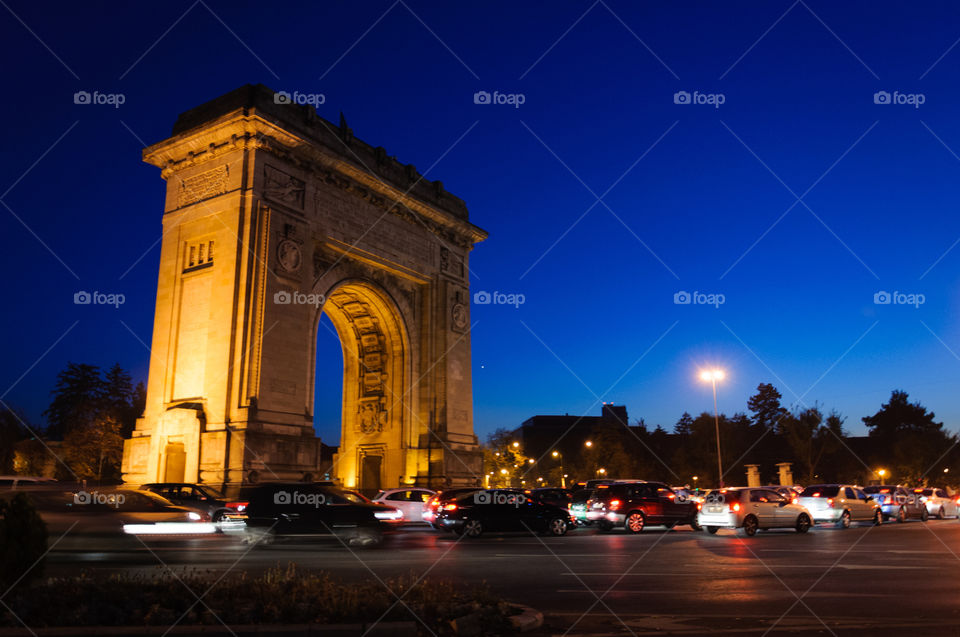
557	527
901	515
218	516
260	539
635	522
877	518
940	514
844	522
750	526
924	514
803	523
472	528
712	529
365	537
695	525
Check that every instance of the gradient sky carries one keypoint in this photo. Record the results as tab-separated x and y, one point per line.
694	197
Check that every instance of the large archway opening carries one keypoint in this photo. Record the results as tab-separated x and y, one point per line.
375	402
328	383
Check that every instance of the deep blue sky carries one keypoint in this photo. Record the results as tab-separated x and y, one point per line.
798	309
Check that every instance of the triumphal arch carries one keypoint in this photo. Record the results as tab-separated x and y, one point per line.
274	216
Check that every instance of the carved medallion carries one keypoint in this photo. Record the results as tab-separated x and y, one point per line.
458	317
288	254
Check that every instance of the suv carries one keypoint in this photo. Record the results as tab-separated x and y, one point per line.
939	503
634	505
302	509
898	502
839	503
193	496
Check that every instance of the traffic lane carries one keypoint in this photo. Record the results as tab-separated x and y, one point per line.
868	573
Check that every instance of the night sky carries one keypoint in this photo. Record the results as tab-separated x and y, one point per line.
794	201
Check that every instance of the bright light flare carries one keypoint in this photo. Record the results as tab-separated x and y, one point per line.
711	375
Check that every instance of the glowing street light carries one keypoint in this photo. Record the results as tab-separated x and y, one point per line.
713	376
563	476
881	473
588	443
516	444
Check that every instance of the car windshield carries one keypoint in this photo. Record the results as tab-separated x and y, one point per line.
581	496
820	491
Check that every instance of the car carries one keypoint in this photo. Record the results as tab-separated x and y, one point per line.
15	481
133	511
939	503
556	496
751	509
486	510
297	509
578	505
635	505
199	497
431	506
898	502
409	500
841	504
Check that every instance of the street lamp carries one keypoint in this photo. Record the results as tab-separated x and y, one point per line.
882	473
601	471
712	376
588	443
516	444
563	476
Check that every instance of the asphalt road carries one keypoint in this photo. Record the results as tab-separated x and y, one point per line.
904	577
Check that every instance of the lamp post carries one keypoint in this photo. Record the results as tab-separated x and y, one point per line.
714	375
563	476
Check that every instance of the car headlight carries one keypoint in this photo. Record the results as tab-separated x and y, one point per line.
393	514
194	516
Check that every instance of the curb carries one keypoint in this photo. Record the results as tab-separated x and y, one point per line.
383	629
529	619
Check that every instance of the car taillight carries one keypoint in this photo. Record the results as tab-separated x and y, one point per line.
239	507
735	507
699	506
794	501
829	502
614	505
433	503
450	507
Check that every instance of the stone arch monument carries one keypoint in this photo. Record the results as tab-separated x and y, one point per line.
273	216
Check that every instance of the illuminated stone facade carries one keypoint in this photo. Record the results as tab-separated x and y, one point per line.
274	215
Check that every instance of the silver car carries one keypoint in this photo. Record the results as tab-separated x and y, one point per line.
841	504
751	509
939	504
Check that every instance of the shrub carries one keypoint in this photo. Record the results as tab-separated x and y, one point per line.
23	541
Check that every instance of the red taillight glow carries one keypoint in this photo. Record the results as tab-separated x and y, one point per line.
735	507
829	502
794	501
239	507
614	505
433	503
450	507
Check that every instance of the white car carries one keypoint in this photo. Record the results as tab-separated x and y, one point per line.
939	504
751	509
409	500
840	504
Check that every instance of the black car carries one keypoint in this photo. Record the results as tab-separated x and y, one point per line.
308	510
483	510
635	505
198	497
